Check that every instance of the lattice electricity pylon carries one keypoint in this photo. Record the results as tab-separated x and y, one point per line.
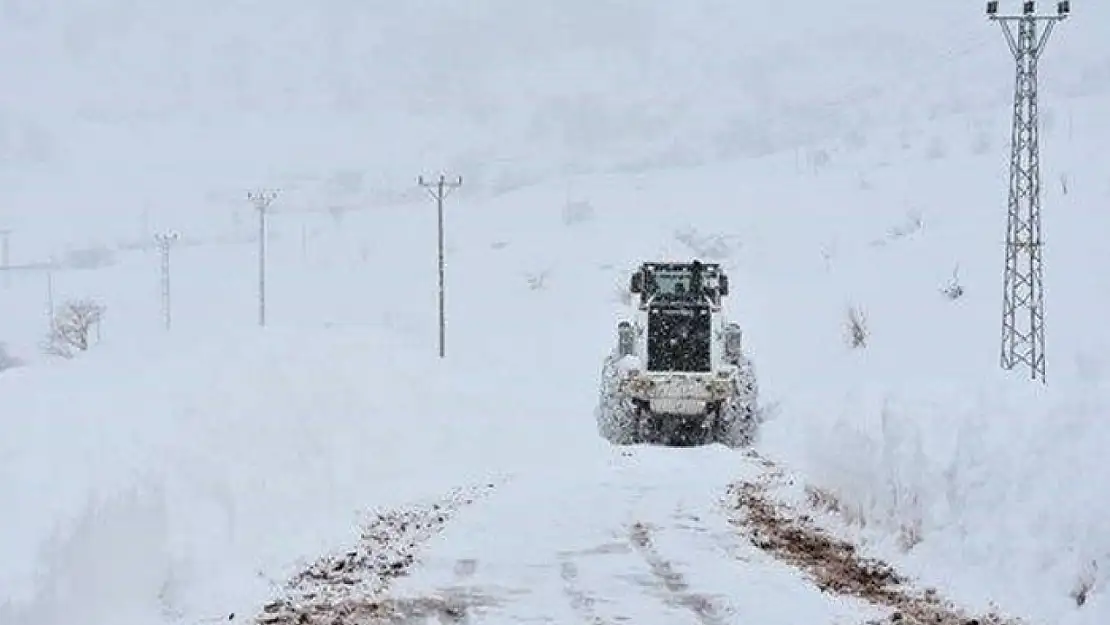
1023	281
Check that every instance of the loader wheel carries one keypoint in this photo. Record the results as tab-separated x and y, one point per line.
647	427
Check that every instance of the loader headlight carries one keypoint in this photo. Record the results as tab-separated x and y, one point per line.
639	385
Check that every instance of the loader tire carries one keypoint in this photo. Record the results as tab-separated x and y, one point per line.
616	414
739	418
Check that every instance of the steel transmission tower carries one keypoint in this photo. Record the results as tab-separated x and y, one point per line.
262	200
439	190
165	241
1023	280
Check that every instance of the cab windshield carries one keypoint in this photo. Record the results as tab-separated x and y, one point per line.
672	283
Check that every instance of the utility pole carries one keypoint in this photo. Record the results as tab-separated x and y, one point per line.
5	256
439	191
304	243
262	200
165	241
1023	279
50	298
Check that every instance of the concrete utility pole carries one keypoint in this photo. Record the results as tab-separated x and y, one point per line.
439	191
50	299
304	243
165	241
262	200
1023	279
5	256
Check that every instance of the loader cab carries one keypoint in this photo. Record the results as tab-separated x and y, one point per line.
679	299
692	282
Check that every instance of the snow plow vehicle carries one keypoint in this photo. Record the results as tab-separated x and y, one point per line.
678	375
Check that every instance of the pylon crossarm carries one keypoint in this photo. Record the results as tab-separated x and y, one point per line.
1044	38
1010	40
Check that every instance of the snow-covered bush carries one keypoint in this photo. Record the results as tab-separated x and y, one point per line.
954	290
72	328
856	328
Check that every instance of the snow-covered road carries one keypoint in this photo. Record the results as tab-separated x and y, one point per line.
641	535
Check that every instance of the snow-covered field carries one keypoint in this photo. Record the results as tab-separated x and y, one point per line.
835	156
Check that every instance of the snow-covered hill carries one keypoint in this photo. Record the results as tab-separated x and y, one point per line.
836	156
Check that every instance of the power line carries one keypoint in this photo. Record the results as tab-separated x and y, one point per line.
261	200
439	191
1023	279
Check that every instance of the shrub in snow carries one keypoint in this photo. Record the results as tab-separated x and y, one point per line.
1085	583
910	226
537	281
72	328
954	290
818	159
856	328
828	252
913	224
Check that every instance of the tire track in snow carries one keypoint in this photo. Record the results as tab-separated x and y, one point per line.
640	535
641	539
352	586
581	602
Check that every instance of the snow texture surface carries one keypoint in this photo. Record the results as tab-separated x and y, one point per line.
832	156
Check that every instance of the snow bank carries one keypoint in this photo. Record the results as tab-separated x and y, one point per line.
995	491
165	496
987	485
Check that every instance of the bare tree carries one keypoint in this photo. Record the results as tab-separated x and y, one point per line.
72	327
